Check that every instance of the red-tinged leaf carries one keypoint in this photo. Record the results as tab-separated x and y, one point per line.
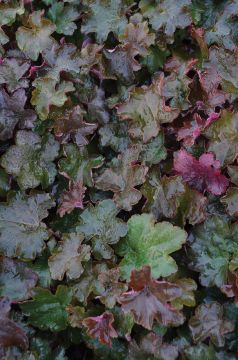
152	346
100	327
210	81
71	125
176	87
203	174
10	333
150	299
193	129
72	198
123	176
231	288
146	110
208	322
13	113
109	287
198	35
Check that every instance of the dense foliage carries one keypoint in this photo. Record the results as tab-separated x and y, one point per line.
118	179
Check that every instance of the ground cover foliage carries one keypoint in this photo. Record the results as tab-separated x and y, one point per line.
118	179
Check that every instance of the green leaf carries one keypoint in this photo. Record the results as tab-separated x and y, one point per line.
146	110
36	36
233	173
22	232
170	198
47	310
31	159
224	31
48	93
155	59
167	15
68	257
215	243
230	200
102	227
188	287
9	11
43	348
223	137
61	58
104	17
150	244
63	17
78	164
154	151
41	268
88	282
176	86
201	352
16	279
4	183
115	135
3	40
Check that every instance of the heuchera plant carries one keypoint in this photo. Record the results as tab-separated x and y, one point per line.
118	179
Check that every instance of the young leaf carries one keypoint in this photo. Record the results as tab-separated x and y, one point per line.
47	310
100	327
203	174
102	227
72	198
148	243
22	232
149	300
68	257
193	129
